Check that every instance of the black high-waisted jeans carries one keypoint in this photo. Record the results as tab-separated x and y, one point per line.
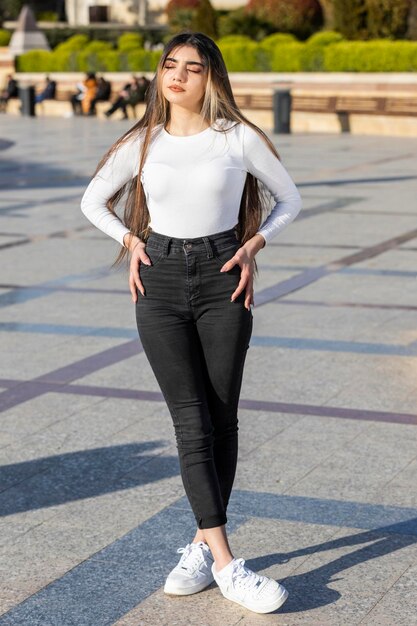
196	341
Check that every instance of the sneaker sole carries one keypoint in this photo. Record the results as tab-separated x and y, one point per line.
266	608
172	590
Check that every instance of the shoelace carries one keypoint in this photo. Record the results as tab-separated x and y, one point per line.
191	558
244	578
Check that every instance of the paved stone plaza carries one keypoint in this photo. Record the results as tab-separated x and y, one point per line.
92	504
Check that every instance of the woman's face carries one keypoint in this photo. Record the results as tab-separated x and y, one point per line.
184	78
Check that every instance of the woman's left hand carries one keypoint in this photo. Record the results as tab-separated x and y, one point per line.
244	257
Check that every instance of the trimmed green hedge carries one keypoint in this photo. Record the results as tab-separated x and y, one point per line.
88	60
323	52
371	56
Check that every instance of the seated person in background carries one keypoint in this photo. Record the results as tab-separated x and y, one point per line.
137	92
121	101
48	93
11	90
90	85
102	95
76	99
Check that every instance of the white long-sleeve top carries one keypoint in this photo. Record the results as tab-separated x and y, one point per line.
193	184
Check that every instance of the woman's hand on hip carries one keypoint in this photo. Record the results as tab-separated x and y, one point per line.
138	255
244	257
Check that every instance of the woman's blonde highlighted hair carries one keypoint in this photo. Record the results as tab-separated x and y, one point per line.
218	102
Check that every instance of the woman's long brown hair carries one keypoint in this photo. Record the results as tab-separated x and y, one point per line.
218	102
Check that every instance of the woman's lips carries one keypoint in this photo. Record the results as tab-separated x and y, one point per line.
176	89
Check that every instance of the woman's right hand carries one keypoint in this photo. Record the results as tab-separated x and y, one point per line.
136	248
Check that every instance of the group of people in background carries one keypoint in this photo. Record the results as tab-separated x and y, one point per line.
89	91
97	89
10	90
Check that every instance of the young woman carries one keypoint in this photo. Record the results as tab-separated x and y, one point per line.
193	223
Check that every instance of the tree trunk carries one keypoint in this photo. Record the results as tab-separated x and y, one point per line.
327	6
412	21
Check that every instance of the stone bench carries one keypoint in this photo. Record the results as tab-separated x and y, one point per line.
63	108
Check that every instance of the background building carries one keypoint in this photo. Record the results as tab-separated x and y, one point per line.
127	12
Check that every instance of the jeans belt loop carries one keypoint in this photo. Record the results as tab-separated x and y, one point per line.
167	242
209	248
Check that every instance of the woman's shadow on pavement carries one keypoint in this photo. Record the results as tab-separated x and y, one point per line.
55	480
310	590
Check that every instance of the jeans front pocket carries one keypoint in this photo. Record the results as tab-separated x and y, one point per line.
223	255
155	254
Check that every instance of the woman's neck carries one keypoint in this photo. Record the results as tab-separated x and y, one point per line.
184	122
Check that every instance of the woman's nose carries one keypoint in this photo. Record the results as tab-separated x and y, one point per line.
180	73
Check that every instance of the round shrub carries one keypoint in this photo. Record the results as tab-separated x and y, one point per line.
324	38
277	39
143	60
300	17
75	43
5	37
35	61
98	46
242	39
98	60
65	61
287	58
312	54
245	57
129	41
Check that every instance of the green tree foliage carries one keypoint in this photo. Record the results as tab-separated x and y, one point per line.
387	18
180	14
197	15
350	18
205	19
300	17
372	19
240	22
10	9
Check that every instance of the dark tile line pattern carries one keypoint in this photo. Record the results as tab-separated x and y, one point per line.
367	164
326	246
326	207
335	345
310	276
356	181
259	341
104	587
27	390
278	302
355	305
24	392
36	238
251	405
339	203
18	296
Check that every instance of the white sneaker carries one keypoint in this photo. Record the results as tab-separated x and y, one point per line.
253	591
193	572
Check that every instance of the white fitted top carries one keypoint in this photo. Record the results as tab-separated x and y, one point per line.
193	184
